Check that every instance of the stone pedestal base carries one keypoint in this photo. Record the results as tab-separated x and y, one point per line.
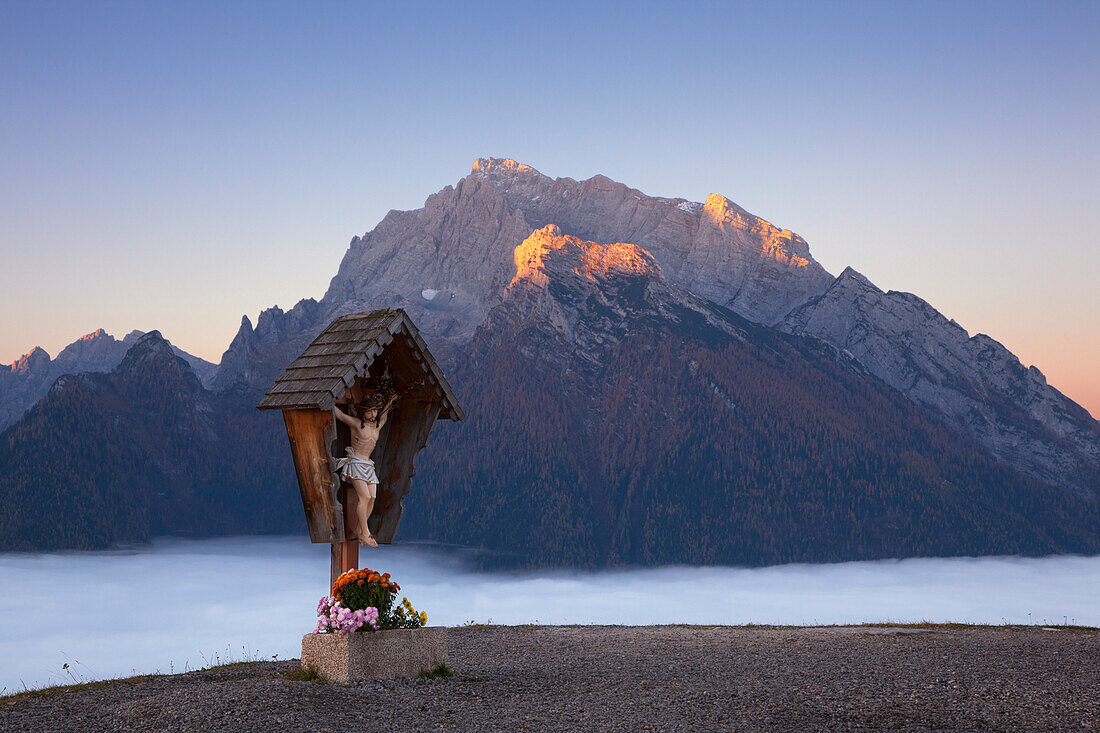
375	655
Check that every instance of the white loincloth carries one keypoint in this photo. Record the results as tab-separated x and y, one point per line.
352	466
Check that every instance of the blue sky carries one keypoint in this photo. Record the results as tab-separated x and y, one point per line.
175	166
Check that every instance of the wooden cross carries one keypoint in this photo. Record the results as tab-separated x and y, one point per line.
340	357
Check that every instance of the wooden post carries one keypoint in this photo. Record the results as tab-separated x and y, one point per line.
345	555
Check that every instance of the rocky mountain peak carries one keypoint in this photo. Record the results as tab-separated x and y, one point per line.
503	167
99	333
97	351
507	235
449	262
781	245
572	300
547	249
245	331
30	361
853	277
152	342
32	376
718	208
974	382
150	348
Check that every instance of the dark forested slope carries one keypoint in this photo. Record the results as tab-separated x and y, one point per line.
139	452
613	420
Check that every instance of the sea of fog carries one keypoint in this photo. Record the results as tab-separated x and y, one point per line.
184	604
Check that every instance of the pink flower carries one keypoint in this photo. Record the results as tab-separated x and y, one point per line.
334	616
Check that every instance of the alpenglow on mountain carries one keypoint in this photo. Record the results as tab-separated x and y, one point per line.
449	263
653	380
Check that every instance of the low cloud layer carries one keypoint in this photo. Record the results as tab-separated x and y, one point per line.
186	604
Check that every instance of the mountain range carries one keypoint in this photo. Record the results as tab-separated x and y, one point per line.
140	451
648	380
26	381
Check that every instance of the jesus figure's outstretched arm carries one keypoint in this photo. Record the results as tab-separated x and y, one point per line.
344	417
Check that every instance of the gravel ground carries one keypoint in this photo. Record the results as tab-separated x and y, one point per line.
656	678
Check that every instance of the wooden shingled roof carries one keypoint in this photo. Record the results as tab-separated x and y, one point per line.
345	350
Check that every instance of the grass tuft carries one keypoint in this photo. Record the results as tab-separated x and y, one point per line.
440	670
306	674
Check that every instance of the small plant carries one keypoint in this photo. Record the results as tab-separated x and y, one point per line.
306	674
475	624
335	617
231	659
406	617
440	670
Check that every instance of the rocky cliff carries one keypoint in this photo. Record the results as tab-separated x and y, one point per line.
452	261
616	418
449	262
977	384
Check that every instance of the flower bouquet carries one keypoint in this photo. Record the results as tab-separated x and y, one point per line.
362	600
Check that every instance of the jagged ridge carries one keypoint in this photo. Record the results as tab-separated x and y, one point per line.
978	385
28	379
459	249
141	451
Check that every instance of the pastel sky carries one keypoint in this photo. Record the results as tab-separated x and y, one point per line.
177	165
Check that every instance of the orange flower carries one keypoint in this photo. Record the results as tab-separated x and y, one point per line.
359	576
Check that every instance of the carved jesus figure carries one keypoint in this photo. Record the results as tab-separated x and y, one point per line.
357	468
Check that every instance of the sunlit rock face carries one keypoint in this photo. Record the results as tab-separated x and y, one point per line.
974	381
30	362
98	351
451	262
460	245
716	250
549	248
582	298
